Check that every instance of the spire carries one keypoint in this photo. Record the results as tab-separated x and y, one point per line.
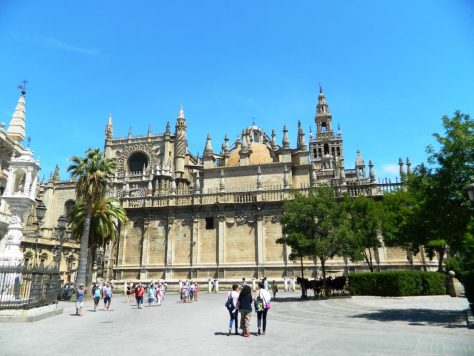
226	148
181	113
16	130
130	132
208	151
310	133
55	178
322	108
197	184
274	144
109	128
339	132
167	129
245	146
301	141
149	130
371	172
359	160
408	166
400	163
286	141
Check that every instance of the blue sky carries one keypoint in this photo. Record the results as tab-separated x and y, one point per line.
390	70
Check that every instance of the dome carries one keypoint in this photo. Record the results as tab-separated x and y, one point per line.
260	155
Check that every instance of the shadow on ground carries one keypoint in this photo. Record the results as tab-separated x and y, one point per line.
444	318
309	299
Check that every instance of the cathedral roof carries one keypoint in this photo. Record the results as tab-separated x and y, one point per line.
260	155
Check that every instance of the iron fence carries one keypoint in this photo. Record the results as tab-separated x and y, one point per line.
26	287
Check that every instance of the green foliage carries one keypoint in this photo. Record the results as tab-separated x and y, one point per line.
314	225
434	211
366	217
107	217
93	173
397	283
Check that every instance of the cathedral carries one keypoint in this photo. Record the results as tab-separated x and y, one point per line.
215	215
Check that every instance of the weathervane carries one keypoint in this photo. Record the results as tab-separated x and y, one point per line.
22	87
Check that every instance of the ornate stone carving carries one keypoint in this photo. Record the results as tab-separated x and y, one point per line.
240	219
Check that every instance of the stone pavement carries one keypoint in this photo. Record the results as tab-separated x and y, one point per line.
338	326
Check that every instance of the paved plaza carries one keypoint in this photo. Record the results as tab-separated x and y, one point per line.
342	326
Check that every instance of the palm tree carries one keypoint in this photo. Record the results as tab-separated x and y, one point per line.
93	173
107	217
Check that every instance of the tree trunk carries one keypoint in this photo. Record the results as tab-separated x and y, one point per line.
323	269
302	269
84	251
368	261
441	258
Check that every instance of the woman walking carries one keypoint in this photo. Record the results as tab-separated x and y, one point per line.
151	294
139	291
232	298
244	305
262	304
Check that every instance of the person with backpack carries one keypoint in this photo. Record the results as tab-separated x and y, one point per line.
262	305
244	305
231	305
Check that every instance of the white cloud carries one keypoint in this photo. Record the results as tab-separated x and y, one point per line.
391	168
55	43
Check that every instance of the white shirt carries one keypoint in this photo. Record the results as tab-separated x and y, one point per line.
265	295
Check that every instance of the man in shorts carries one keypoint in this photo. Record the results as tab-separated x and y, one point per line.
80	294
107	295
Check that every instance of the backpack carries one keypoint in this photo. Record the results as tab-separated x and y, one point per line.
229	304
259	305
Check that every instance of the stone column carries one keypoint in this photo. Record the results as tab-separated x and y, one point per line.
194	245
260	241
169	247
220	242
254	284
144	252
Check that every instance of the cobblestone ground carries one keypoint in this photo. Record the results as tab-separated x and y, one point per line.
342	326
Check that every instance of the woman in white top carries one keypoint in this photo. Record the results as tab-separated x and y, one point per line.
262	304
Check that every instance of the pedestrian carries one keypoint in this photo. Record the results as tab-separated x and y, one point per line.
132	292
184	293
265	283
262	305
128	291
96	293
151	294
196	292
274	289
107	296
244	283
80	299
231	304
159	294
244	305
213	282
139	291
191	292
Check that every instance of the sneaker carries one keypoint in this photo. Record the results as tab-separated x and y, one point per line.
263	333
259	332
246	334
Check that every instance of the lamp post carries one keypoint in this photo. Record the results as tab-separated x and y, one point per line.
62	223
40	214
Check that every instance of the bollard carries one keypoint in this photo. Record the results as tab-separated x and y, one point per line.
293	284
285	284
217	286
254	284
209	285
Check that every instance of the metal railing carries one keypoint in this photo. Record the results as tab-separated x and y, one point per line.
25	287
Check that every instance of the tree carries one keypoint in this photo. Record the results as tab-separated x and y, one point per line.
314	226
107	218
366	217
434	210
93	173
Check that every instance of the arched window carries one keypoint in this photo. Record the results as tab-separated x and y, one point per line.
68	207
324	127
20	177
137	161
326	149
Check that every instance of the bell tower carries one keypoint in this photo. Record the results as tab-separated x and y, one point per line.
326	148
